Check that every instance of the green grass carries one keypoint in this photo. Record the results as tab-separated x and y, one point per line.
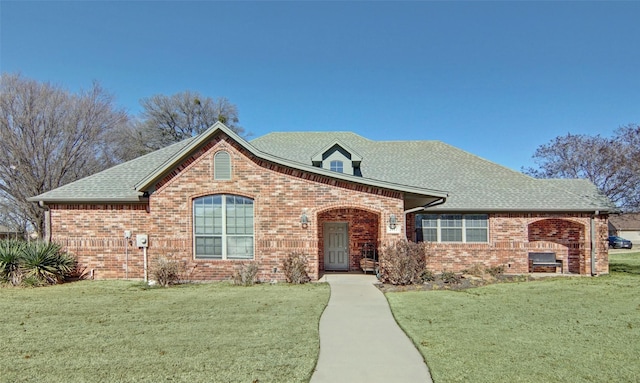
555	330
625	263
115	331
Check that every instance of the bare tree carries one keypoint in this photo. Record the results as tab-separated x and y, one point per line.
169	119
612	164
50	137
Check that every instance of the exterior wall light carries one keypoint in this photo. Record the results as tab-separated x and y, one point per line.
304	220
393	221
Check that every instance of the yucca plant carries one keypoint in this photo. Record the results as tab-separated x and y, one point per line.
46	262
10	259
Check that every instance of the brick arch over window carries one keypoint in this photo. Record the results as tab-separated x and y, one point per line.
566	233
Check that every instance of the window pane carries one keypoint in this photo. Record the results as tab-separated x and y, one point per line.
476	220
451	220
429	220
240	247
451	235
477	235
429	234
209	247
336	166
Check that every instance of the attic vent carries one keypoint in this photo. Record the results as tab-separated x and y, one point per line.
222	166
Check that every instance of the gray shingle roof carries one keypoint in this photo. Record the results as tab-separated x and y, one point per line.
473	183
116	183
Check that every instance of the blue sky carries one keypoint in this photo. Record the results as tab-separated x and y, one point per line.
496	79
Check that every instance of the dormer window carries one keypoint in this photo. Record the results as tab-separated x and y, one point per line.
338	158
336	166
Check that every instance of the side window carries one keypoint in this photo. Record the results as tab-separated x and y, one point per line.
222	166
452	228
477	228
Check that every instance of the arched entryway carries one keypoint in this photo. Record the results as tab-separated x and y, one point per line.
569	234
347	230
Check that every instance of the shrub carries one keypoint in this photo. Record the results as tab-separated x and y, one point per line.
46	262
10	261
295	268
477	270
245	274
450	277
495	271
428	276
165	271
403	263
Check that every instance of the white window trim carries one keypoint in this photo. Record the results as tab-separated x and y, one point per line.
224	234
463	228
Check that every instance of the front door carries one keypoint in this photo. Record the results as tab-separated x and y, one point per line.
336	246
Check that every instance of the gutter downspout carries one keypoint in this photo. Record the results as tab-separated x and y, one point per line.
420	208
593	243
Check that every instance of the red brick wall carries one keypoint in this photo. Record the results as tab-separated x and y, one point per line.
95	232
513	236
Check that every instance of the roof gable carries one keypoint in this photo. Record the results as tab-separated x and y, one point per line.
136	179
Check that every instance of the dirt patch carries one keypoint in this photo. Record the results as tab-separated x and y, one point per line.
466	281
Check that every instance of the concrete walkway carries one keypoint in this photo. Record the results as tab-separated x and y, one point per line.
359	339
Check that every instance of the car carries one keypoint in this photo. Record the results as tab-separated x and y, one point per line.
619	243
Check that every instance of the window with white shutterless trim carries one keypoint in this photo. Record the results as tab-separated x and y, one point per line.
223	227
222	166
468	228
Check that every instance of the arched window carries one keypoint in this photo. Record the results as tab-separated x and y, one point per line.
336	166
222	166
223	227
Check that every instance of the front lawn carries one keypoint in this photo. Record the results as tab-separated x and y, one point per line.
116	331
577	329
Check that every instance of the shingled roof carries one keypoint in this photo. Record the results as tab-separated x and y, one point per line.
413	167
473	183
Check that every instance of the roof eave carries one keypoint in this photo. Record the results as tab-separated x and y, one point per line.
522	210
84	200
148	181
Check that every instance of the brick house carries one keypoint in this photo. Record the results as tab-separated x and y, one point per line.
216	200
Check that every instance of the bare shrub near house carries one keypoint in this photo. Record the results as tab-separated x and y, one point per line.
245	274
403	263
166	272
295	268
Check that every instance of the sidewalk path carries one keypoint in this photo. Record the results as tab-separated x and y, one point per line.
359	339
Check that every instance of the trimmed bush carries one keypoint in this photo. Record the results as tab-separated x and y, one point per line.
245	274
295	268
403	263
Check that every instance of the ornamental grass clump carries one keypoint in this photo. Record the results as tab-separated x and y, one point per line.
295	268
34	263
10	258
403	263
